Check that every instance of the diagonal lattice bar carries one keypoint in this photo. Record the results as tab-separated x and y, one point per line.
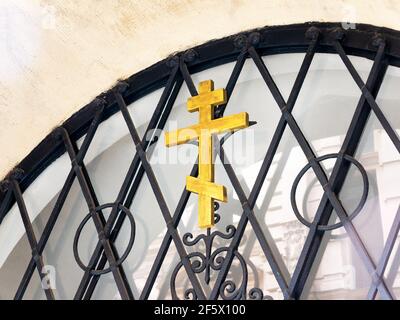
387	250
368	96
98	219
275	261
267	202
262	175
59	202
186	76
5	202
160	198
377	280
185	193
36	256
133	188
319	172
131	182
337	177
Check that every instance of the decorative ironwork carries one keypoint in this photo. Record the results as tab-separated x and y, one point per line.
382	46
213	260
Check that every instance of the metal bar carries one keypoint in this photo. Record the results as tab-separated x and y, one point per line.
265	168
237	69
31	236
4	204
387	250
90	197
266	203
157	121
186	76
282	105
135	186
337	178
98	258
59	204
368	96
276	263
155	269
319	172
160	199
186	194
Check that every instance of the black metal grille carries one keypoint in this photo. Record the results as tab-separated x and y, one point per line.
383	47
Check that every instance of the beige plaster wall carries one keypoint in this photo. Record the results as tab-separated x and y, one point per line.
56	55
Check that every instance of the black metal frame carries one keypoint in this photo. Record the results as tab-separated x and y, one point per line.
378	44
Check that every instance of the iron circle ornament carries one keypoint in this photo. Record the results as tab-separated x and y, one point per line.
79	261
356	211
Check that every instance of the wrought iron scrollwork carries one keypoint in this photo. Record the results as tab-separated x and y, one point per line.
213	260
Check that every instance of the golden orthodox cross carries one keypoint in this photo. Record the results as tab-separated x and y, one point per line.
204	185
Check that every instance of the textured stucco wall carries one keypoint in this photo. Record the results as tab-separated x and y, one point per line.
57	55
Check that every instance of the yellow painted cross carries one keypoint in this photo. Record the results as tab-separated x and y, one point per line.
204	184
